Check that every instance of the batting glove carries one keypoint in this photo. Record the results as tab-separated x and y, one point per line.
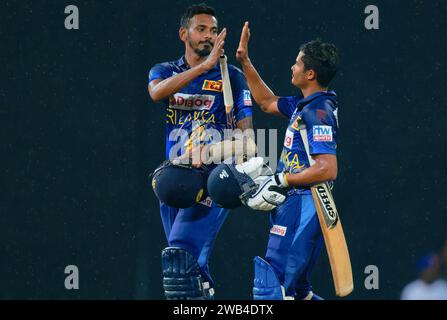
252	167
270	194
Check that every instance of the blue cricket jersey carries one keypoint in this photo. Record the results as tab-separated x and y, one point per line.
318	114
199	105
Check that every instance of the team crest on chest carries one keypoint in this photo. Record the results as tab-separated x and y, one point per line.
298	124
211	85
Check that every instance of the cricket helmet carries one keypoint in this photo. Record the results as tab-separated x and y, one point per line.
231	185
178	185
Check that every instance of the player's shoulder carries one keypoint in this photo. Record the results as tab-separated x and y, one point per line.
234	69
291	100
326	100
169	65
237	77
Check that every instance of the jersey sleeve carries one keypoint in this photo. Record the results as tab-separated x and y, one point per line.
321	124
159	71
243	106
287	105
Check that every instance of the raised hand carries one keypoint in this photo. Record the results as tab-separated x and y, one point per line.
242	50
217	51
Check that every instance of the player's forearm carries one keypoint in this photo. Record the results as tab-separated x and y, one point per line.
320	172
169	86
259	90
239	148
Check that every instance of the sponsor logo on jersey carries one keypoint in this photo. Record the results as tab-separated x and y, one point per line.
207	202
183	101
288	141
247	98
322	133
211	85
278	230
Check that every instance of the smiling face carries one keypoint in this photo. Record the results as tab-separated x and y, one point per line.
200	34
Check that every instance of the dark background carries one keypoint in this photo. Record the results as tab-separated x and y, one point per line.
80	135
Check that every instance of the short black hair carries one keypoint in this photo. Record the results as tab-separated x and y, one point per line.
322	58
193	10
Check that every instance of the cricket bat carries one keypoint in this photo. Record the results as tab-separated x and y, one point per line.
227	93
333	234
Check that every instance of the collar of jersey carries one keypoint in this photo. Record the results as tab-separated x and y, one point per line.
315	95
182	64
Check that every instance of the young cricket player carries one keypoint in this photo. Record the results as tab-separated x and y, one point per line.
190	89
295	239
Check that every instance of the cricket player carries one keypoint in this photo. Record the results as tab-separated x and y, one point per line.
295	239
190	89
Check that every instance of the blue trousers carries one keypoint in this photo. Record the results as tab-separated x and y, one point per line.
295	243
193	229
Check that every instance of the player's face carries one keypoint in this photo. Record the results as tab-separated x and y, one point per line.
202	33
299	78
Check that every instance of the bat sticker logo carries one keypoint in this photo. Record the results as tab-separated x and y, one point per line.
327	205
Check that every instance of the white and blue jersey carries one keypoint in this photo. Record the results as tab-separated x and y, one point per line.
295	239
317	114
195	108
200	103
